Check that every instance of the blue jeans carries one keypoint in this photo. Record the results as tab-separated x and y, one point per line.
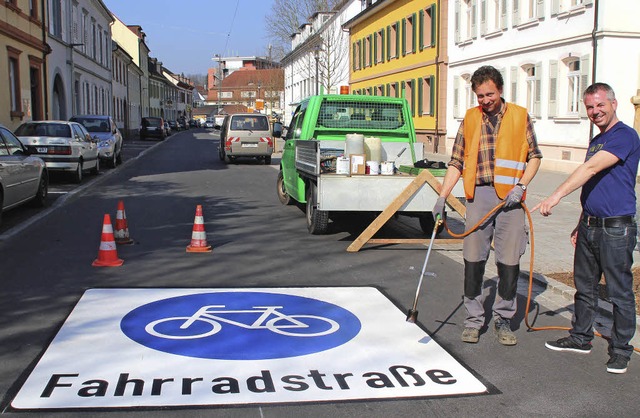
607	250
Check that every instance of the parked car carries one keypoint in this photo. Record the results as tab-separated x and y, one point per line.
208	124
173	124
104	130
64	146
168	129
246	135
152	127
23	177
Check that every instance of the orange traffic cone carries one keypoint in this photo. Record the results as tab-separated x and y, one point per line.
107	255
121	233
198	236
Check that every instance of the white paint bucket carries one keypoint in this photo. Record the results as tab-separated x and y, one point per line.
387	168
342	165
373	168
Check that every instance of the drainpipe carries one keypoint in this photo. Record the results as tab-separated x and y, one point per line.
438	81
45	75
594	45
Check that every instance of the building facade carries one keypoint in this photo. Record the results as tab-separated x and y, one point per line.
398	49
24	51
546	69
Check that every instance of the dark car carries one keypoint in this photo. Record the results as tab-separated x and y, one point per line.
152	127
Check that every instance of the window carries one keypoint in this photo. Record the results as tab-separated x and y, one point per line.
568	6
493	16
408	35
379	46
33	9
427	34
367	51
409	94
573	86
392	41
525	11
14	82
465	20
426	96
463	96
533	81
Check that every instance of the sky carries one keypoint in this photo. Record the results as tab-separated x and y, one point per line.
186	34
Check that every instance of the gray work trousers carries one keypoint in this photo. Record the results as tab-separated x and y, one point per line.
507	229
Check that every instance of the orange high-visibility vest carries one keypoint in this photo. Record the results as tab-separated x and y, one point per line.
511	150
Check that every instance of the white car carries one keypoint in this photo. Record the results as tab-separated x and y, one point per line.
64	146
103	129
23	178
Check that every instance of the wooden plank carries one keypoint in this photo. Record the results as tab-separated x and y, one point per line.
424	241
424	177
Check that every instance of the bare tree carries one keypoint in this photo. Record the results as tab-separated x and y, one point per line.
287	16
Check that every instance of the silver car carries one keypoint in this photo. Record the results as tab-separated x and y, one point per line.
64	146
104	130
22	177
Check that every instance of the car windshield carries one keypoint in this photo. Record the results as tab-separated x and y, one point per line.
44	129
94	124
249	123
151	122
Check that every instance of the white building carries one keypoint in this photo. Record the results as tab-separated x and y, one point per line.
548	52
320	47
79	66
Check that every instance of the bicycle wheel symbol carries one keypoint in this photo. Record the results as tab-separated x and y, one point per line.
302	326
174	328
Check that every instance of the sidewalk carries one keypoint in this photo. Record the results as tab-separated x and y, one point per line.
553	252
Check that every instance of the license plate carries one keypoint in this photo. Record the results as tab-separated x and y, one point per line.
41	150
249	145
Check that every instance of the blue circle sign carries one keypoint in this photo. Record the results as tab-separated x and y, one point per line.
239	325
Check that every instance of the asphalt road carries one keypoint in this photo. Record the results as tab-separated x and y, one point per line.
257	242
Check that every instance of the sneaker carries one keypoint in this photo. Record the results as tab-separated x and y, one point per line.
567	344
470	335
617	364
505	335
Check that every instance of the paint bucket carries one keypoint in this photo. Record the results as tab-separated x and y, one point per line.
354	144
373	168
342	165
387	168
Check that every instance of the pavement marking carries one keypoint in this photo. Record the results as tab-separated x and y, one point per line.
188	347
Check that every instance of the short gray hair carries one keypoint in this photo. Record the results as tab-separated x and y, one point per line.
595	87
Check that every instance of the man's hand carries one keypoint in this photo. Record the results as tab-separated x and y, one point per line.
438	209
546	205
514	197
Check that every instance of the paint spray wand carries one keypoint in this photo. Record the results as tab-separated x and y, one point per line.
412	315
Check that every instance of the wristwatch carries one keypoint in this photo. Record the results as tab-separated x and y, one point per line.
522	186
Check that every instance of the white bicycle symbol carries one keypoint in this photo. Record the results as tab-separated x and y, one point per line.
270	318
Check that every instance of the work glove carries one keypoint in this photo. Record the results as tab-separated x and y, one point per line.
438	209
514	197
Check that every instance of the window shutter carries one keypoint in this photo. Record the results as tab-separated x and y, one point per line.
514	84
404	37
432	95
456	37
538	83
474	19
421	30
398	94
387	90
503	15
353	57
584	81
399	36
420	88
433	22
375	48
516	13
503	73
414	34
483	17
555	7
413	97
361	53
456	96
553	88
372	57
540	9
382	45
586	2
388	43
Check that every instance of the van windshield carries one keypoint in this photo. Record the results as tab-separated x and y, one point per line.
249	123
361	115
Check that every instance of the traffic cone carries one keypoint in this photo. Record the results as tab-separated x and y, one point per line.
107	255
121	233
198	236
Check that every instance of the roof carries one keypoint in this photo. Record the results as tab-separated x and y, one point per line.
271	77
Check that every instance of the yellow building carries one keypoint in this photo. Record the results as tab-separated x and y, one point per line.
398	49
24	51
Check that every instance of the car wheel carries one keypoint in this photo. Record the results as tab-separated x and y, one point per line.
1	203
40	199
113	161
427	223
77	175
119	156
96	170
317	220
267	160
283	196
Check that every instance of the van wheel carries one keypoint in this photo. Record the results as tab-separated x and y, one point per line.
317	220
283	196
220	154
